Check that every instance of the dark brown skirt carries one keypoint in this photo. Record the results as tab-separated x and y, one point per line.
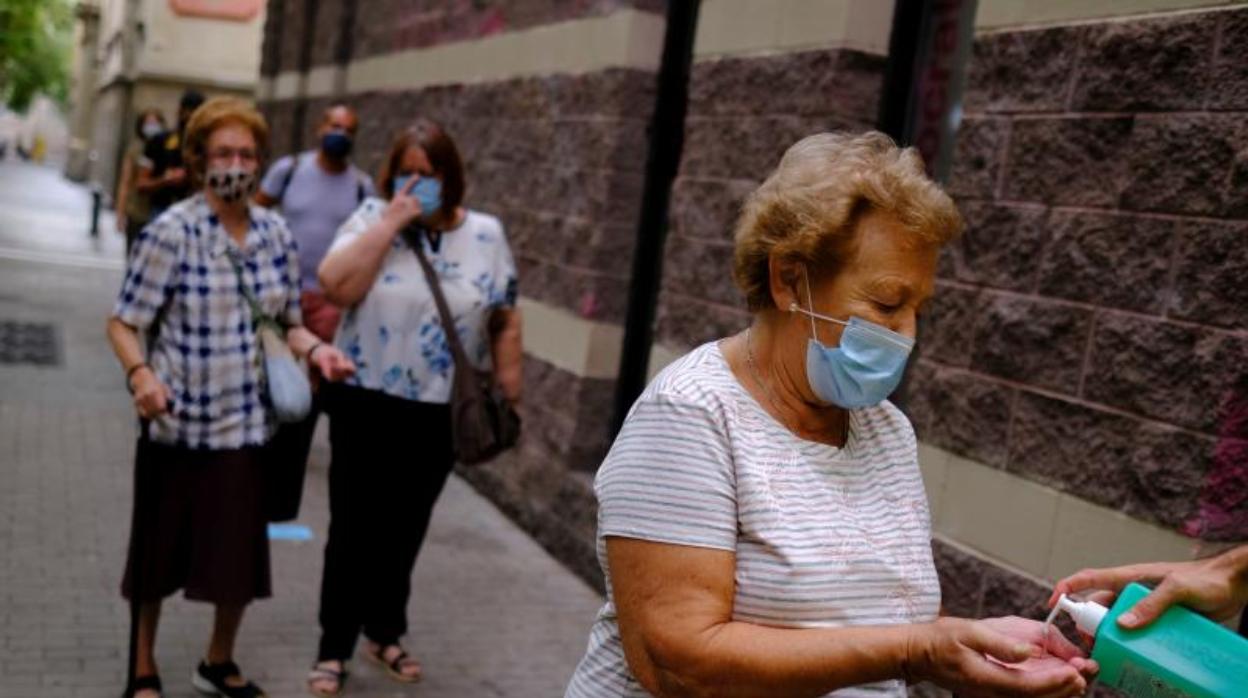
199	525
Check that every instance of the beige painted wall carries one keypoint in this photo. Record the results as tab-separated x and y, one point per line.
210	51
733	27
996	15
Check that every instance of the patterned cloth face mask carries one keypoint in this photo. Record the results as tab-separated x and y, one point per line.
863	370
232	182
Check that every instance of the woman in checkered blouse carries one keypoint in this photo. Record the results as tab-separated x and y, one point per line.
199	522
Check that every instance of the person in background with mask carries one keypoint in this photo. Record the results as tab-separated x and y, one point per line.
134	207
317	191
762	523
199	278
390	426
162	175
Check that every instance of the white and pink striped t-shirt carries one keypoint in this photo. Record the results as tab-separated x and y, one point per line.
824	537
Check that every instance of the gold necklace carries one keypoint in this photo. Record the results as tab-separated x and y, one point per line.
754	373
771	396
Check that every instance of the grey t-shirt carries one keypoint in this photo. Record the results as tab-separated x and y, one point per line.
315	204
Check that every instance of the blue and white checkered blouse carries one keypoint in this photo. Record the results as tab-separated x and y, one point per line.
179	278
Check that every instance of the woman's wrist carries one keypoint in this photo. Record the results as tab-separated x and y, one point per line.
133	370
312	350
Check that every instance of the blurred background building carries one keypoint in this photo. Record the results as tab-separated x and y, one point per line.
135	54
1080	393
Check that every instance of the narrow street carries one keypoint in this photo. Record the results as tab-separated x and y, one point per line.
492	614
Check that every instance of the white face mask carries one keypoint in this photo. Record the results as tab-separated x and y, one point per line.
232	182
151	129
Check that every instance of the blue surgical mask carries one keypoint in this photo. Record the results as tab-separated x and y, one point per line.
428	191
863	370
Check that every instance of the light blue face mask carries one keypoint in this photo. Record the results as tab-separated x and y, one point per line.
863	370
428	191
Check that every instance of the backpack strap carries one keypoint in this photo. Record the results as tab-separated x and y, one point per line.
290	174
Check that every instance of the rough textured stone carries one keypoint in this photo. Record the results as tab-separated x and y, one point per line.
683	321
1211	282
708	209
270	51
1068	161
1038	342
617	91
999	247
327	32
1230	66
701	270
1147	65
1174	373
587	293
838	81
410	25
961	580
1109	260
947	328
977	157
1179	163
600	144
1145	470
294	16
959	411
746	147
1009	594
1024	71
281	118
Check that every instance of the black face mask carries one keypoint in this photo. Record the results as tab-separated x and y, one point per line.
336	145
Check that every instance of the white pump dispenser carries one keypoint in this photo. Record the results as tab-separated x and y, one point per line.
1086	614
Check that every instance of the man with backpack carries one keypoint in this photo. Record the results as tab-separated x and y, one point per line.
317	191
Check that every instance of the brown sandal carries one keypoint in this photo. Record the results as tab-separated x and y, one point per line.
395	666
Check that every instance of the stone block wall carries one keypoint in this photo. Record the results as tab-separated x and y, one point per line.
1090	330
744	112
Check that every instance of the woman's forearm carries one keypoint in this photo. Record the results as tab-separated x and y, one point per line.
125	342
507	348
743	659
347	273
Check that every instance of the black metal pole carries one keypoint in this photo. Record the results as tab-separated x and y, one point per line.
903	51
667	135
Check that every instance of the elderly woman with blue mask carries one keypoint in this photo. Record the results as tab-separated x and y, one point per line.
390	424
762	525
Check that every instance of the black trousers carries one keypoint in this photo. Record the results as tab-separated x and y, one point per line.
390	461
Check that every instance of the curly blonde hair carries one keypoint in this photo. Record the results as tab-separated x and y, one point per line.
807	209
209	117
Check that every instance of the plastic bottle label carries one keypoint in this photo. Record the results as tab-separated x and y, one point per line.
1138	683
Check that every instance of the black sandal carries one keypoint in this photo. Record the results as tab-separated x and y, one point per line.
209	679
325	674
394	667
151	682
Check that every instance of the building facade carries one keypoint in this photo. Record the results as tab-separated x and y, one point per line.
136	54
1080	392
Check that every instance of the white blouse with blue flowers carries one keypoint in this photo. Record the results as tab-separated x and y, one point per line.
395	336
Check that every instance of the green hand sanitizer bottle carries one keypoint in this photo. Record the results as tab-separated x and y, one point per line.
1180	655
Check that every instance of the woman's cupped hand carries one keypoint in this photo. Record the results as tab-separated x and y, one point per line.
998	657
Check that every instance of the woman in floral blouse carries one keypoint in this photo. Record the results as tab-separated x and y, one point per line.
390	424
